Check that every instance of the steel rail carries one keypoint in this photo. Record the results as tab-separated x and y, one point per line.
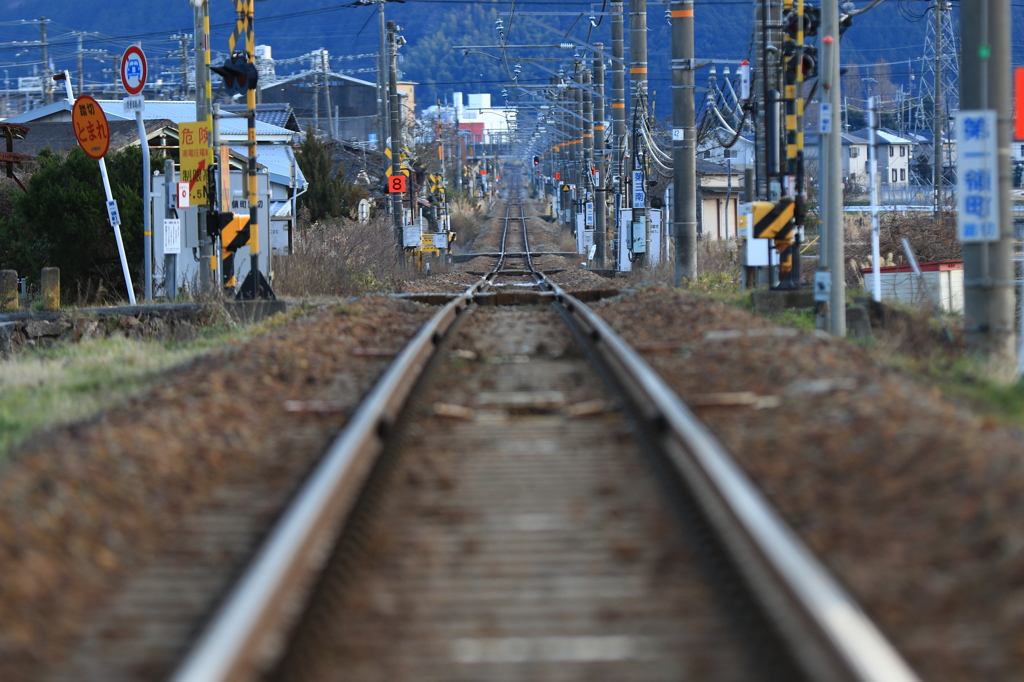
245	631
830	636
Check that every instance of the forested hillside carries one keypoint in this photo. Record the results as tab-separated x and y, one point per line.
893	33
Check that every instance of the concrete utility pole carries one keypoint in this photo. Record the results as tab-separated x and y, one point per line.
618	111
396	133
599	156
684	144
638	85
47	82
204	110
938	113
831	173
587	178
578	144
382	88
988	266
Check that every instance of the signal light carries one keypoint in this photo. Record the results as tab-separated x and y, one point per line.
810	60
536	161
238	74
811	22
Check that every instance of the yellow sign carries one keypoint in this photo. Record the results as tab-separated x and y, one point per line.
195	156
426	241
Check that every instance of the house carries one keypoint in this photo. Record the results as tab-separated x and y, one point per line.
741	155
334	104
894	156
279	176
855	157
720	193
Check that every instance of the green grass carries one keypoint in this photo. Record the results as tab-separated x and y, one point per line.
46	388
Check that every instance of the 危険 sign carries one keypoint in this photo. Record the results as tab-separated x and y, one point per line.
977	183
196	157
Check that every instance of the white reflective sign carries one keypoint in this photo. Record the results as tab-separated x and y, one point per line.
977	182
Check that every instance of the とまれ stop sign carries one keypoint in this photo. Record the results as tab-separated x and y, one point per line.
134	70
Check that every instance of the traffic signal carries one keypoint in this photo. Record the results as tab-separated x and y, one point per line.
238	74
536	161
812	19
810	60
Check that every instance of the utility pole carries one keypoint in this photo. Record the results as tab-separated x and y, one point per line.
204	108
938	114
396	132
988	266
47	81
578	143
618	115
588	146
599	156
382	88
638	85
81	77
183	39
684	144
830	176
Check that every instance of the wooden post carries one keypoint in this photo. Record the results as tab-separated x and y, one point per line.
8	290
51	288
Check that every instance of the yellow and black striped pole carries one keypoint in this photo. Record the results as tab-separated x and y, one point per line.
787	243
250	102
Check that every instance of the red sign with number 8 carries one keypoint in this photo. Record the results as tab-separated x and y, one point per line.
397	184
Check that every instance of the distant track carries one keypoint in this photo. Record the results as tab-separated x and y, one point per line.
521	495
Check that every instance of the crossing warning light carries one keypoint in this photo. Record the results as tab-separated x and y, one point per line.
238	74
558	176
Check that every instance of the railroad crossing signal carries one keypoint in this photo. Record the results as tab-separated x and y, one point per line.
401	163
397	184
771	219
238	73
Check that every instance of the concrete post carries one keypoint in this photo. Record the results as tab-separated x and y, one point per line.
8	290
51	288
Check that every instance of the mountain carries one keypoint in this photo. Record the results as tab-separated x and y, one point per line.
894	32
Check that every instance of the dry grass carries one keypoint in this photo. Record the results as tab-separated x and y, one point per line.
341	258
931	240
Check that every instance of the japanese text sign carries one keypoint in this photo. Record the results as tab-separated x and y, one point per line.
977	184
195	157
91	128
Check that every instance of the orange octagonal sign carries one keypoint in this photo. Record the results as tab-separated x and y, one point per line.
91	128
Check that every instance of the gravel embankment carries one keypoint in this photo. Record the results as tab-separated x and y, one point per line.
913	502
84	507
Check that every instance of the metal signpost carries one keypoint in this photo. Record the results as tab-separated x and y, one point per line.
93	133
134	70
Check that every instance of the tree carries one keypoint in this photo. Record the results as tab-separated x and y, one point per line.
328	196
62	220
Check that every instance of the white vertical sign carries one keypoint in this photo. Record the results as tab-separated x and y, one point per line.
639	191
977	182
172	235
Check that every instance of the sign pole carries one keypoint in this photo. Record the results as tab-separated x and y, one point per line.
93	134
147	218
133	78
115	222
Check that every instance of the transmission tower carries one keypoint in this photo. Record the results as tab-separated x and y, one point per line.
940	68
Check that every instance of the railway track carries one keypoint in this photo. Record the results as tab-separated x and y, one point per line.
537	504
